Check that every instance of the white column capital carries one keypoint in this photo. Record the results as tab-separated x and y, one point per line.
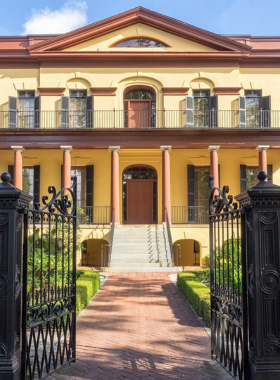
165	148
262	148
17	148
114	148
66	148
213	148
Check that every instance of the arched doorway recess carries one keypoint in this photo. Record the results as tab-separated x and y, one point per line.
139	195
139	107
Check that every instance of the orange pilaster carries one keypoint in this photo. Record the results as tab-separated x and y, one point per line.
66	176
166	193
18	166
115	193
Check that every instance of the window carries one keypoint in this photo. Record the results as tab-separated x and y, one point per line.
253	107
198	197
201	187
28	181
78	107
140	42
201	108
251	176
248	176
26	104
80	173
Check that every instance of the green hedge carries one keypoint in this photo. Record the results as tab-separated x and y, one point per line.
197	294
87	285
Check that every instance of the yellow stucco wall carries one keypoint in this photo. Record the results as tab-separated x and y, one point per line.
265	79
50	162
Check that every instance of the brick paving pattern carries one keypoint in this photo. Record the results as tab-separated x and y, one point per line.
140	327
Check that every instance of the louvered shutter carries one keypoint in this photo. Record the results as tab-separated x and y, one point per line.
89	191
270	173
11	170
64	111
190	111
191	211
36	197
12	112
243	179
266	112
37	104
213	111
242	112
90	111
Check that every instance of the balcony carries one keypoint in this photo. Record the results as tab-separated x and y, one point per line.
112	119
94	215
189	215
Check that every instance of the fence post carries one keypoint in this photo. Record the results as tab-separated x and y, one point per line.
262	212
12	201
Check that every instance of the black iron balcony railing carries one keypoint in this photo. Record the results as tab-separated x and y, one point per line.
94	214
110	119
189	214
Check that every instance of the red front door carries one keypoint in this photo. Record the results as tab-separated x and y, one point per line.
140	201
139	114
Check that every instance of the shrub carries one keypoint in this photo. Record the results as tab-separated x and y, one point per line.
87	285
207	260
201	275
197	294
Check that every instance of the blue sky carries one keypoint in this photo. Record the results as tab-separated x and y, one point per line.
255	17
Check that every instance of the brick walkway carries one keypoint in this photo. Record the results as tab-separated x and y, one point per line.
139	327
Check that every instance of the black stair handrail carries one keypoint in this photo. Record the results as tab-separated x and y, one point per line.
111	237
169	236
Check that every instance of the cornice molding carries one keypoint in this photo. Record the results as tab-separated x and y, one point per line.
175	90
144	16
227	90
51	91
103	91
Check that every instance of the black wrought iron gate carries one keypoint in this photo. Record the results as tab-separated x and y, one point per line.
229	340
49	284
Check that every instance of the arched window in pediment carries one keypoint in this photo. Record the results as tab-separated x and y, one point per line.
140	42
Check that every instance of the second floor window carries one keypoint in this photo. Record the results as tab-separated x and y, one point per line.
78	107
24	110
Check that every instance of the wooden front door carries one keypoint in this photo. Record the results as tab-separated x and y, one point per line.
139	114
140	201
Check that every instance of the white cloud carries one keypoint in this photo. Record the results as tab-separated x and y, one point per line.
70	16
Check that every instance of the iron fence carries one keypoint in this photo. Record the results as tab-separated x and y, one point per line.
229	341
94	215
49	285
110	119
189	214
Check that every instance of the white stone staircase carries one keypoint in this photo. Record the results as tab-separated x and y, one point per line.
141	249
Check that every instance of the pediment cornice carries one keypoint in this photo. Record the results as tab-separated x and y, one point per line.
147	17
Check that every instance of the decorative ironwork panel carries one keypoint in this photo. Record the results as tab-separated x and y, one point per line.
228	289
49	284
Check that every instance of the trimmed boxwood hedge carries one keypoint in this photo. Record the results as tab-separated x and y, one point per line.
87	285
197	294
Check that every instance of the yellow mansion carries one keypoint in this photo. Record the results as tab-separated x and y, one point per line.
142	108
